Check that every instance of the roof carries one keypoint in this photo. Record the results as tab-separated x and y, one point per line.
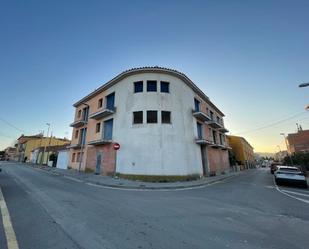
154	69
242	138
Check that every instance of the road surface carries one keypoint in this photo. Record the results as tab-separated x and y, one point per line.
48	211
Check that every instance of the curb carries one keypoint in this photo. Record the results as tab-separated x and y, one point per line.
140	187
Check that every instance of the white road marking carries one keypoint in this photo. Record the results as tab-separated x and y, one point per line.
295	193
7	225
296	198
72	178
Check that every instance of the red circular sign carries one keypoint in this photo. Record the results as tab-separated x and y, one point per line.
116	146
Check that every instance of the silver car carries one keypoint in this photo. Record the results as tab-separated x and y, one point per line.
290	175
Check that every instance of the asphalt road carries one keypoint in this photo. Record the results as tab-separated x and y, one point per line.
247	211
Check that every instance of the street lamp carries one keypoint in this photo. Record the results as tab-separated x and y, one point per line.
48	124
83	139
286	143
304	84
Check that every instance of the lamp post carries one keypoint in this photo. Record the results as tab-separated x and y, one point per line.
83	138
286	143
48	124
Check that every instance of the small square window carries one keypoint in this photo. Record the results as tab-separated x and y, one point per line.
165	117
100	103
76	134
151	85
138	86
138	117
152	117
165	87
98	127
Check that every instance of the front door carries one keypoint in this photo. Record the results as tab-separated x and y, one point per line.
204	160
98	164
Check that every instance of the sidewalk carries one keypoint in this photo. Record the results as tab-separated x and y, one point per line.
114	182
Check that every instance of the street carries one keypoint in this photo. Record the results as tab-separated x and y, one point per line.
246	211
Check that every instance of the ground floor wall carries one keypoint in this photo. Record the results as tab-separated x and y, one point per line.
218	161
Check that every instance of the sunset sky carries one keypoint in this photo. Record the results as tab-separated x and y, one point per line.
248	56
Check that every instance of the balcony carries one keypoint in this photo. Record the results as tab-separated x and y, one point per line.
103	113
214	124
101	141
223	130
201	116
78	123
74	146
203	141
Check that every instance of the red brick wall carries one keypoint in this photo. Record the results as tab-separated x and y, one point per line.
299	141
218	160
108	158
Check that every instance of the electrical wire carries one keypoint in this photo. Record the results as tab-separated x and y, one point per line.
11	125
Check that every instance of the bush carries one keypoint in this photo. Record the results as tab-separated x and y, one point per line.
301	159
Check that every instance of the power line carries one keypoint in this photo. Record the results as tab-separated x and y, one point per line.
9	124
271	124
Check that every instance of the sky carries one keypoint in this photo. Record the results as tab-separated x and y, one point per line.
248	56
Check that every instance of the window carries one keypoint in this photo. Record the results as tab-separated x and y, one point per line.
165	117
165	87
110	101
108	129
85	113
214	136
152	117
76	134
221	140
98	127
82	138
211	114
78	157
138	117
151	85
73	157
79	113
138	86
218	120
100	103
196	105
199	131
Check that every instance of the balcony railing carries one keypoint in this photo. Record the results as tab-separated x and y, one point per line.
214	124
103	113
101	141
78	123
200	115
223	130
74	146
203	141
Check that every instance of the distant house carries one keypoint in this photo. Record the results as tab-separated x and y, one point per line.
48	154
10	153
298	142
242	150
26	144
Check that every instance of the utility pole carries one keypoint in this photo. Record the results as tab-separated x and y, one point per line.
48	124
286	143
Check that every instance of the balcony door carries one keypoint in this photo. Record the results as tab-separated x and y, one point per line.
108	129
110	101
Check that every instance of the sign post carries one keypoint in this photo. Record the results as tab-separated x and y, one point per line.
116	147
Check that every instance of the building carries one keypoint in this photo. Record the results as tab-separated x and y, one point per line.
279	156
298	142
165	125
26	144
10	153
242	150
42	154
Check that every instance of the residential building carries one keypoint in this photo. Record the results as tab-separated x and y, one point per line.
242	150
165	125
26	144
42	154
298	142
10	153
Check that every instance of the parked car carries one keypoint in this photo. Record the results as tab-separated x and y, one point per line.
290	175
